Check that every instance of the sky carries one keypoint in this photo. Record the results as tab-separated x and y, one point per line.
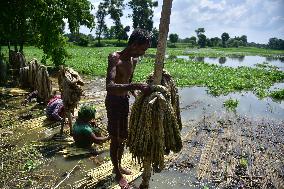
259	20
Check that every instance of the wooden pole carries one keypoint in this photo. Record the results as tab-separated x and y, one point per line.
158	72
162	41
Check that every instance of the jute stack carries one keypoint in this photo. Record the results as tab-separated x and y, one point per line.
17	60
35	76
154	127
70	84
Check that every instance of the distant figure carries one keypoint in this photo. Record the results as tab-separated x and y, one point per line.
54	108
85	133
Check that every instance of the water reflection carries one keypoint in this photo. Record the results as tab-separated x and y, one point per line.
237	60
199	59
222	60
195	99
269	59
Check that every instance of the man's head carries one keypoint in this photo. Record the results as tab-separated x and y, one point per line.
139	42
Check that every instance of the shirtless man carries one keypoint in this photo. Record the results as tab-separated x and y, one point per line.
120	70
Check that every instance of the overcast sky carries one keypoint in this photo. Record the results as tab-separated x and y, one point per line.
258	19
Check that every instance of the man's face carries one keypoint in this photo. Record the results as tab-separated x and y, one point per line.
139	49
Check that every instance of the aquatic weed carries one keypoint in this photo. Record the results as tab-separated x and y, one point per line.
231	104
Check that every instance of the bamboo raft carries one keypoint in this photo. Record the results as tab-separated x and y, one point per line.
102	176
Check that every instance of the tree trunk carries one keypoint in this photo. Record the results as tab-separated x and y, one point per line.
99	40
16	48
162	40
9	47
22	47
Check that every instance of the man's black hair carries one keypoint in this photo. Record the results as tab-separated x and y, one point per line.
139	36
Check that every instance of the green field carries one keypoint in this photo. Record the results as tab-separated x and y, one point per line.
219	80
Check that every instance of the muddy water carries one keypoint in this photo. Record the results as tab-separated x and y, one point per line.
195	102
234	62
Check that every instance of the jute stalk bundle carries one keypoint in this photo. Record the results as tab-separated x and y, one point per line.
154	127
36	77
70	84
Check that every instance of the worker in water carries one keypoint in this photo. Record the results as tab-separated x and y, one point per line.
85	132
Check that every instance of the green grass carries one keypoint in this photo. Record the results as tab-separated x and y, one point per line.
219	80
278	95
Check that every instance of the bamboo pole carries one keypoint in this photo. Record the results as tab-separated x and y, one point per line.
162	41
158	72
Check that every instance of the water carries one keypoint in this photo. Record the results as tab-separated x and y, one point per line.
195	102
234	62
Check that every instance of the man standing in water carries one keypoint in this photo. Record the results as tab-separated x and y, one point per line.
120	70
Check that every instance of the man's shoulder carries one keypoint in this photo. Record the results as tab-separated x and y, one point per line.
135	60
113	58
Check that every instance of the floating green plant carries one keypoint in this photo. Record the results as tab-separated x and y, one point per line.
231	104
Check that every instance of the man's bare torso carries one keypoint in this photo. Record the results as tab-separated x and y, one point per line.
119	72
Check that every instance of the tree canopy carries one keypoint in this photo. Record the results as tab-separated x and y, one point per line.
142	13
42	21
225	37
173	37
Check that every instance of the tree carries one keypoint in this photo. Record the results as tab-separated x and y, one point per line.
142	13
46	20
233	42
208	42
201	40
115	10
215	41
275	43
225	37
193	40
244	39
122	35
154	38
201	37
173	37
100	15
199	31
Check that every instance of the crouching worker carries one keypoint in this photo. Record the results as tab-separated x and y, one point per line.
55	109
84	131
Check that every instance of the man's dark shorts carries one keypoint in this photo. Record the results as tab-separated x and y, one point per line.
117	113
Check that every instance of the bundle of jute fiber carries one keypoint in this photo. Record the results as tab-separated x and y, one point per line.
70	85
154	129
24	76
43	84
33	68
36	77
16	60
169	83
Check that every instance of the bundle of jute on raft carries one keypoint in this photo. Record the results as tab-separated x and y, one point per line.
154	127
70	84
43	84
36	77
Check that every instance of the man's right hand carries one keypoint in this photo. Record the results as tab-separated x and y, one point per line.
145	89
